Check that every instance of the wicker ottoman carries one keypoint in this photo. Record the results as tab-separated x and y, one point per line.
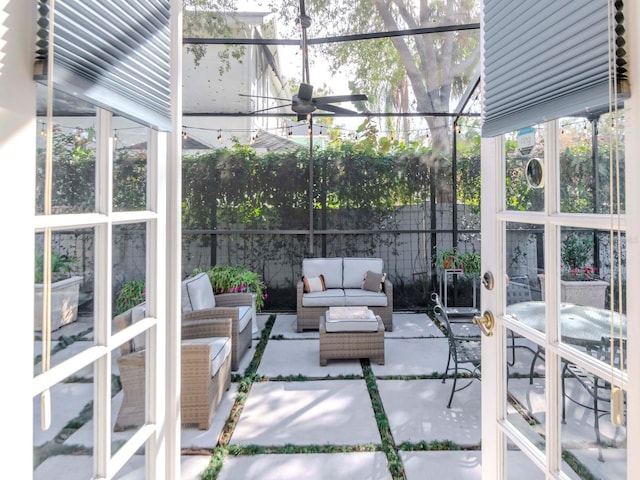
345	345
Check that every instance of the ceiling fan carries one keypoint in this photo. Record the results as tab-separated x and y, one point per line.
304	103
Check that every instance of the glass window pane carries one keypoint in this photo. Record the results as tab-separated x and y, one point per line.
72	318
525	169
129	165
65	449
593	447
74	155
590	149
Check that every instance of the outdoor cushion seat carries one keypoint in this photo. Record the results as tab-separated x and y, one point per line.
345	281
205	370
200	303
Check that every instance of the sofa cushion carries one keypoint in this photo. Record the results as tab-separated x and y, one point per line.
356	268
197	293
358	296
314	284
332	297
373	282
220	350
329	268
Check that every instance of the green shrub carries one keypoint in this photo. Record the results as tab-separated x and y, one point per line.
236	279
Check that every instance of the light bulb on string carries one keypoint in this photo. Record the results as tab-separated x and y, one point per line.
219	137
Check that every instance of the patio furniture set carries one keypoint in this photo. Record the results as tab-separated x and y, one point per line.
350	299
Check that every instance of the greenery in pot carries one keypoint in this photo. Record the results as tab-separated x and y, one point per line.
131	294
61	267
236	279
576	254
468	262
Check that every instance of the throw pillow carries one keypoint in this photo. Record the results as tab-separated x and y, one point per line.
373	281
314	284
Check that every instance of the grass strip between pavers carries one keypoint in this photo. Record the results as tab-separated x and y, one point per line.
250	375
396	468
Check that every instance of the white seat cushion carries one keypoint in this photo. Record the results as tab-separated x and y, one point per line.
197	293
220	350
357	296
334	297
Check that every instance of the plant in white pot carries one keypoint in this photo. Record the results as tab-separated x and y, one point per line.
580	283
65	291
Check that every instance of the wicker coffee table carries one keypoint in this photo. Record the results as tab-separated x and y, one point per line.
351	344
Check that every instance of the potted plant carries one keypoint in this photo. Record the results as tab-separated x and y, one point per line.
580	283
236	279
451	259
65	291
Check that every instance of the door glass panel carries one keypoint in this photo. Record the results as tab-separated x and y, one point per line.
67	445
130	142
524	260
74	155
588	267
526	410
525	170
586	165
72	319
592	446
519	466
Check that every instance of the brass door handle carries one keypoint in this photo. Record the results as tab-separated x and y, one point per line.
485	322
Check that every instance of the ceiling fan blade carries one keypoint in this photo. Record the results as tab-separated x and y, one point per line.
262	96
341	98
270	108
335	109
305	92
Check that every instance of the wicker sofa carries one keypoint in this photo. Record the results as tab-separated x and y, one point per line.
205	369
343	279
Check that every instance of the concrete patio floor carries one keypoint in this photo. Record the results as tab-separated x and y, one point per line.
331	406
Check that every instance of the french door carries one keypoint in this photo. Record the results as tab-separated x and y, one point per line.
555	387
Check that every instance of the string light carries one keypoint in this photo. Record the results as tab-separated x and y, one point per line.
219	137
43	131
184	133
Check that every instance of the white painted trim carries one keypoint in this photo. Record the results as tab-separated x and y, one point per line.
17	202
171	250
632	178
493	396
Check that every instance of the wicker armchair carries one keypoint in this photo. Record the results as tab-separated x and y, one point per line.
205	367
199	303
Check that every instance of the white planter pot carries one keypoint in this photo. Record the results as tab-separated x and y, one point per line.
64	302
591	293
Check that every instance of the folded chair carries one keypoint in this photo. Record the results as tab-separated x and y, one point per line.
463	350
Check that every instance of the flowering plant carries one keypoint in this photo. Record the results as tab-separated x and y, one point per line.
576	253
131	294
236	279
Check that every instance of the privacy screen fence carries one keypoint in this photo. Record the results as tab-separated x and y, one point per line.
254	210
